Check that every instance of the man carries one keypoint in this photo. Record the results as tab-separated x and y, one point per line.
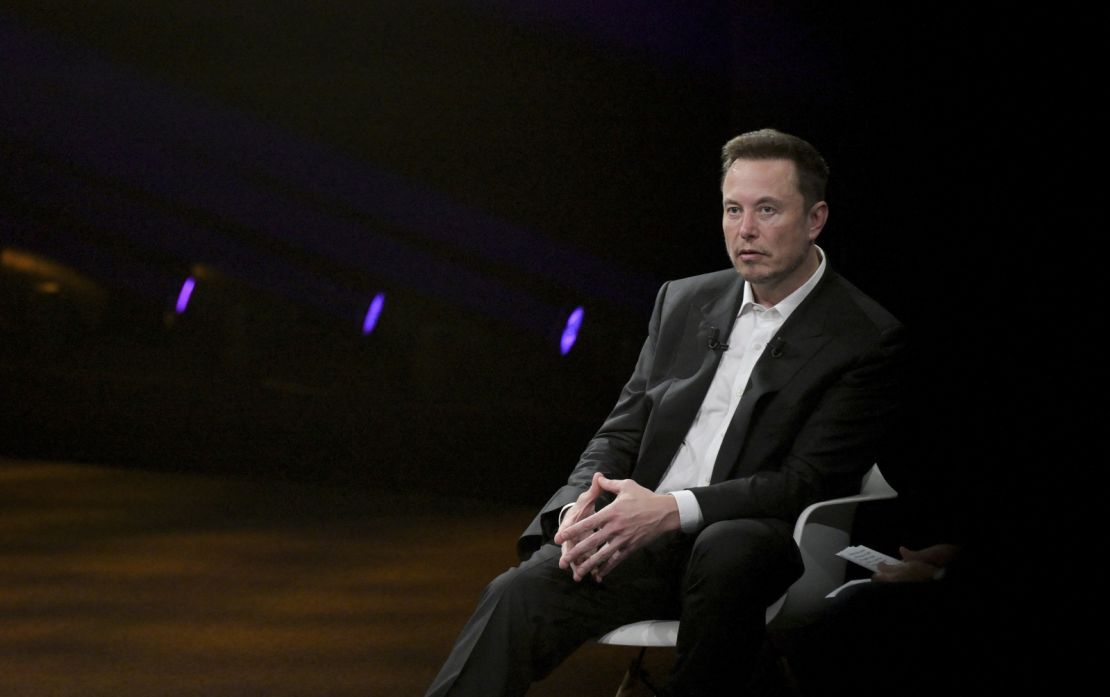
754	395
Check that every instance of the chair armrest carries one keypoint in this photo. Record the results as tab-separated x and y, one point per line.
841	512
823	529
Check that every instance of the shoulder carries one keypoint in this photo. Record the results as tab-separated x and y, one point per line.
706	285
840	301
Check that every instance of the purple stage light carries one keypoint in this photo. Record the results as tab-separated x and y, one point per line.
372	313
570	332
185	294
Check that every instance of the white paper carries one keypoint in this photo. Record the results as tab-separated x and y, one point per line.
866	557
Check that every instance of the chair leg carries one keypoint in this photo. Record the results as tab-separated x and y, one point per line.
637	682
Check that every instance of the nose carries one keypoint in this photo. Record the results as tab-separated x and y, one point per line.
746	226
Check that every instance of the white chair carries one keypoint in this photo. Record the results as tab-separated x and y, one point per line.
823	529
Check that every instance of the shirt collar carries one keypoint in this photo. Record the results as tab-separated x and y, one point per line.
791	302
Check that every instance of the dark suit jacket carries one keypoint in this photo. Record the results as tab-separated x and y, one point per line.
812	420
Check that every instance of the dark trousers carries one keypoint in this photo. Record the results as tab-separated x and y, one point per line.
718	583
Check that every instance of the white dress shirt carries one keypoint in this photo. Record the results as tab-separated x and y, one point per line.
753	329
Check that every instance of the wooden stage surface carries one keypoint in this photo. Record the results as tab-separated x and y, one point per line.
135	583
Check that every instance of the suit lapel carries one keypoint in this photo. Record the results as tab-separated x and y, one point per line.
796	343
676	411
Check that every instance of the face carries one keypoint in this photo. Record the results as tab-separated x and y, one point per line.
769	232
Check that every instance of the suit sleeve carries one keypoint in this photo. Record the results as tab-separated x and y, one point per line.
830	446
614	448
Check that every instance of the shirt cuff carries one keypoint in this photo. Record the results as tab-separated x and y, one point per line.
689	512
563	512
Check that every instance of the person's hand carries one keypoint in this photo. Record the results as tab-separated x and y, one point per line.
917	565
581	508
906	572
937	555
596	544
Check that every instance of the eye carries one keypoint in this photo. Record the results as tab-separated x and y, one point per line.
767	210
732	211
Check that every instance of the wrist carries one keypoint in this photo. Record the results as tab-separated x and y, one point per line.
689	512
672	516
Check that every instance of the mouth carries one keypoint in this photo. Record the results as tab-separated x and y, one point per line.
749	255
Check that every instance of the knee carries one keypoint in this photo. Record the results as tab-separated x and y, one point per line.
751	556
520	586
500	585
509	585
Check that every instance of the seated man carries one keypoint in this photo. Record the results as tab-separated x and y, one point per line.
755	394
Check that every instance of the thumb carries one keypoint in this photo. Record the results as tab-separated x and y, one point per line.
595	485
908	554
613	486
592	491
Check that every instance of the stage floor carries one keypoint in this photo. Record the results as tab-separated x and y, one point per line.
135	583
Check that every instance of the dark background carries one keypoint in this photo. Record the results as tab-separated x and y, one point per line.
489	166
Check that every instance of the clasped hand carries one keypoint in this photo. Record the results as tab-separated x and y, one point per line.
595	543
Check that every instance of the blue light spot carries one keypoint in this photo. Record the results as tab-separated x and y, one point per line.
185	294
372	313
570	332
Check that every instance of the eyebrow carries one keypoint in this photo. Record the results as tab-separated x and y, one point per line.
764	199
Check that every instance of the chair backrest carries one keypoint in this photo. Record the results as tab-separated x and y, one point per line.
875	484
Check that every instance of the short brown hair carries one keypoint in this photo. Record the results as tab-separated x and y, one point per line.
769	144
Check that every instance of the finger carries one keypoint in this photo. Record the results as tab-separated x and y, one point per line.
583	508
884	572
583	565
585	548
613	486
584	504
577	549
609	564
569	528
584	569
583	527
608	561
567	534
571	554
595	487
587	497
575	571
596	561
564	558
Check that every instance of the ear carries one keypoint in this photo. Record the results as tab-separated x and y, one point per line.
818	216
